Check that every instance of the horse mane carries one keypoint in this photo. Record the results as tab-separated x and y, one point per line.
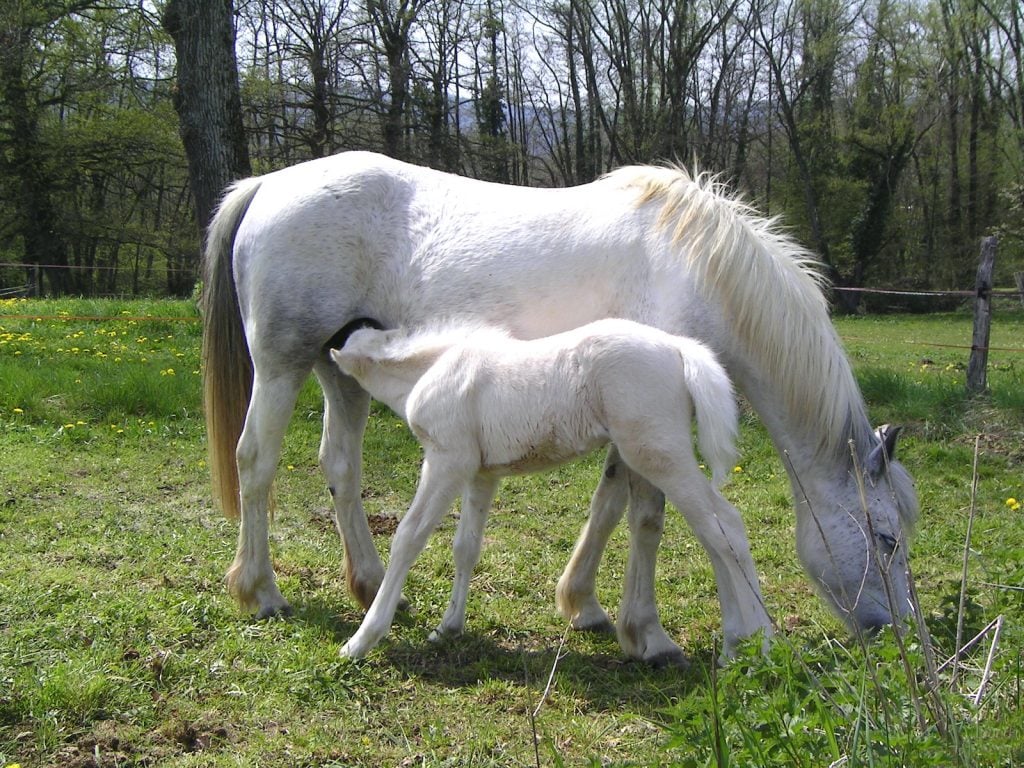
772	290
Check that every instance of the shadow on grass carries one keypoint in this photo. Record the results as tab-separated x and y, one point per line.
590	668
597	676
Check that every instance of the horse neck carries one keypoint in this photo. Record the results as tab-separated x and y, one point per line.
817	453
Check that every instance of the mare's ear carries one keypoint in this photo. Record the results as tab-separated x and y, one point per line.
885	451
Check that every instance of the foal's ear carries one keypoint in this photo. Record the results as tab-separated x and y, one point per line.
885	451
342	360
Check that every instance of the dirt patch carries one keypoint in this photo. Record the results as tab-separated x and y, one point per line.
109	743
997	437
382	525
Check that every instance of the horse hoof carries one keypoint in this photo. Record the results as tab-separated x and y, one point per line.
668	659
437	637
441	635
275	611
603	627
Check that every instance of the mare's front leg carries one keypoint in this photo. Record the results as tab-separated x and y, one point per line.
639	628
575	595
469	536
440	482
251	577
346	410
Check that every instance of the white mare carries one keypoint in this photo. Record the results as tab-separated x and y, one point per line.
485	405
296	256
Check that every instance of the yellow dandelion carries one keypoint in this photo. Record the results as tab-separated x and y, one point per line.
1013	504
737	469
18	410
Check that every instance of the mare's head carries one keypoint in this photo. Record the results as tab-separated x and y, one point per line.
852	537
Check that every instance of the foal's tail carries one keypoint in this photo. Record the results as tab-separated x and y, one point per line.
717	413
227	366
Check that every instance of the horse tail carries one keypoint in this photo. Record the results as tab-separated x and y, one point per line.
227	365
715	404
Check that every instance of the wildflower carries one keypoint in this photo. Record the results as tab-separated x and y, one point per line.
18	410
737	469
1013	504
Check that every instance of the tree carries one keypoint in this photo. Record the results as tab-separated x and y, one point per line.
391	24
883	134
802	56
28	160
207	99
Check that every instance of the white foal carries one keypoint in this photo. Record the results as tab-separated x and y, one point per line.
485	405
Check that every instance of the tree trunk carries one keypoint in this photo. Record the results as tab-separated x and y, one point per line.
25	160
207	99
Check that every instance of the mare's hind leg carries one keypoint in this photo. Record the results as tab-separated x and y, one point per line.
575	594
469	536
640	633
346	409
251	577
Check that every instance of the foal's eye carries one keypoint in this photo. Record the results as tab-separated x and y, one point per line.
888	541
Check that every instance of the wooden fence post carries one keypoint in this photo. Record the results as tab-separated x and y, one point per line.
977	374
1019	278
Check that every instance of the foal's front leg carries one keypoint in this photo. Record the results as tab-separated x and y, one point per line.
575	595
469	536
440	482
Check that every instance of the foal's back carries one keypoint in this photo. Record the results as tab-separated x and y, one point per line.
524	406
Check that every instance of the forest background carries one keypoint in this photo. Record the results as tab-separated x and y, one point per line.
888	134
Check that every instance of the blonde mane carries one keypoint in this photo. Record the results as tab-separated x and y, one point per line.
772	291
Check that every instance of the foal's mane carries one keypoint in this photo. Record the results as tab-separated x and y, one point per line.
771	288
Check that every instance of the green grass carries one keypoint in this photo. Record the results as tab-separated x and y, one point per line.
119	644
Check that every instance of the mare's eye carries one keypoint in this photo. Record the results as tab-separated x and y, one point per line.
888	541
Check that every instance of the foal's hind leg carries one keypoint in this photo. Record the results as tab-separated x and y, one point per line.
575	594
346	409
639	629
719	528
469	536
251	577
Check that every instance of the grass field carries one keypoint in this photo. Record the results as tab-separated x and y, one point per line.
120	647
